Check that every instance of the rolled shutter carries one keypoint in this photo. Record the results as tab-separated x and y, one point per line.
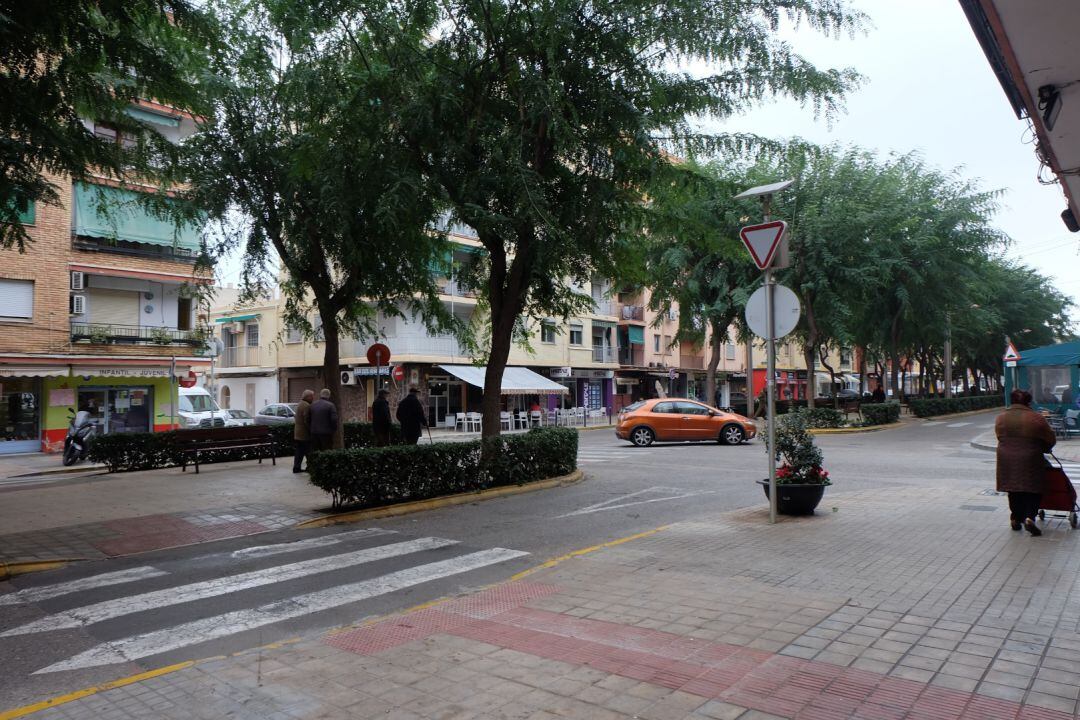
17	298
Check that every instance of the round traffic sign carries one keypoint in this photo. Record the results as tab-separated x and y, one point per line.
398	373
378	354
786	311
189	381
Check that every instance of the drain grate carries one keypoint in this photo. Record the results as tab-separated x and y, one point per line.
991	492
979	508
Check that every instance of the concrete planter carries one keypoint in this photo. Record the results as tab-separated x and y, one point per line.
792	499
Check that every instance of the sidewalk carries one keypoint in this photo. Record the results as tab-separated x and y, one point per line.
910	603
1065	450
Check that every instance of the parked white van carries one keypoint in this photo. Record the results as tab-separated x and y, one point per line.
197	409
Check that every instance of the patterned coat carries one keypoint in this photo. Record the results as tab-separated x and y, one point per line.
1023	437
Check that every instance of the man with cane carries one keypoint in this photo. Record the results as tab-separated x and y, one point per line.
411	415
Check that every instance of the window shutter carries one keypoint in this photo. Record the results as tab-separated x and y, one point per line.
17	298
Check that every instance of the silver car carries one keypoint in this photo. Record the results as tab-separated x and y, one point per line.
239	418
276	414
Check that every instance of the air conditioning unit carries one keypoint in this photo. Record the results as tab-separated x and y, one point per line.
78	305
78	280
348	377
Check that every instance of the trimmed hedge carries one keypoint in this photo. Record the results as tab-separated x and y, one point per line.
372	477
880	413
125	452
946	406
820	417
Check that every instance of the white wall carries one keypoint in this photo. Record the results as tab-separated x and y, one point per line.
164	302
266	392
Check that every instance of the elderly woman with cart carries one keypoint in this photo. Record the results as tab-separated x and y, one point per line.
1024	437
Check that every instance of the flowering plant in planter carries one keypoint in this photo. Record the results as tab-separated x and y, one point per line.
800	459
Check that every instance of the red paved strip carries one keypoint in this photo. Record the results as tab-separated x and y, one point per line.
784	686
155	532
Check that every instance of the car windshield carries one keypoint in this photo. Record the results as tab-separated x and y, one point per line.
197	403
292	408
634	406
239	414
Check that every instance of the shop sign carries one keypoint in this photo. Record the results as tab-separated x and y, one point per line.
592	374
626	381
371	371
561	372
124	372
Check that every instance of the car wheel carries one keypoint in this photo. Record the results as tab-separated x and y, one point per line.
642	436
732	435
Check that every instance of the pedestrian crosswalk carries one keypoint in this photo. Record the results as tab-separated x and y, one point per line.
603	455
144	611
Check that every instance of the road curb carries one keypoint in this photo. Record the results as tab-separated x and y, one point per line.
963	414
440	502
10	570
853	431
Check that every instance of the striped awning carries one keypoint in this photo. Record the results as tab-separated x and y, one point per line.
33	371
516	380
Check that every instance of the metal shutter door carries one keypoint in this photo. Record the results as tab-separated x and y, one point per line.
17	298
114	307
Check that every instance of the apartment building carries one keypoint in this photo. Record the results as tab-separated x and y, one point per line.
99	312
791	374
244	373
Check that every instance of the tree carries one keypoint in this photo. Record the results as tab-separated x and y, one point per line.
303	145
545	123
65	61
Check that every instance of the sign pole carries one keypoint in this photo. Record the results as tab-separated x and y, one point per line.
770	374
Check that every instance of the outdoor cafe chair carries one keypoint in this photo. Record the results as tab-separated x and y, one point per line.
506	420
473	419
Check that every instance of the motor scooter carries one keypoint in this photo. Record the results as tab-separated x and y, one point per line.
77	442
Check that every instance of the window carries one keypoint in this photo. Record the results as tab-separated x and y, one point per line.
547	331
183	313
16	299
197	403
667	342
666	407
26	211
252	331
226	397
845	357
577	334
656	343
293	335
731	351
689	408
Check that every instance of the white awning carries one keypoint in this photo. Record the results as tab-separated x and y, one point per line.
516	380
33	371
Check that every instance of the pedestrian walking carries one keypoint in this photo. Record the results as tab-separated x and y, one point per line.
380	419
878	395
1024	437
324	422
410	413
762	403
302	430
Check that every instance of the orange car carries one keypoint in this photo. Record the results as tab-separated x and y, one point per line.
678	419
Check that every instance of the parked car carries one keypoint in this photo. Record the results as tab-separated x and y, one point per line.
239	418
199	410
276	414
668	419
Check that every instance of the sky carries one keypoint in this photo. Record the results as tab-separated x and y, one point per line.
928	87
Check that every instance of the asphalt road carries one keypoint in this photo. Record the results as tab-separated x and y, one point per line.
99	621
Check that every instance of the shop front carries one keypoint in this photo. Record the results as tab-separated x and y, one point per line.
21	407
790	384
588	388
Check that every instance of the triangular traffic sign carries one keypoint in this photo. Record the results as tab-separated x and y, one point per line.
762	241
1011	353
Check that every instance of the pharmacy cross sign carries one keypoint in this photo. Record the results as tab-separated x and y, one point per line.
763	240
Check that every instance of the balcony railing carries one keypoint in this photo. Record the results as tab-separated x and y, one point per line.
243	356
603	307
634	356
445	346
454	289
99	334
603	354
633	312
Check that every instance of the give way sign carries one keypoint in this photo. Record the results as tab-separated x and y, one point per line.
763	240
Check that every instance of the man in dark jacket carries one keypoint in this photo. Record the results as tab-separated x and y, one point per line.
878	395
302	430
410	413
380	419
324	422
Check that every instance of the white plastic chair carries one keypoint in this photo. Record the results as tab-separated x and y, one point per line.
506	420
473	419
461	422
579	416
536	419
521	420
552	417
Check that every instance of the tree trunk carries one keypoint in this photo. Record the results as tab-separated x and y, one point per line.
863	384
965	380
331	370
894	356
810	355
716	346
832	378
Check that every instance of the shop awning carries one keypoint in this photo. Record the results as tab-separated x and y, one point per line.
236	318
516	380
33	371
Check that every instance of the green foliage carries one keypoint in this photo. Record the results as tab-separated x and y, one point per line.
821	417
382	476
945	406
800	459
125	452
880	413
66	61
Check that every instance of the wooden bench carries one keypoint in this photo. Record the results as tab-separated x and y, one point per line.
193	442
851	405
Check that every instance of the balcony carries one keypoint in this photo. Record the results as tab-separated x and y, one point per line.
692	362
605	354
240	357
98	334
633	312
443	346
603	307
634	356
454	289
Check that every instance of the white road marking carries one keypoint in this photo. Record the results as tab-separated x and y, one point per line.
297	545
109	609
931	423
211	628
87	583
957	424
619	502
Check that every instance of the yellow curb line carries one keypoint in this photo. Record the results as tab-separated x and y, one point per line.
10	570
963	414
852	431
63	699
585	551
439	502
